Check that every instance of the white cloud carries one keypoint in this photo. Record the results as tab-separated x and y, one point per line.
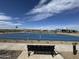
4	17
41	3
9	23
6	24
6	21
63	26
43	11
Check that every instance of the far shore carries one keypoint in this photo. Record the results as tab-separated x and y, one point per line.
73	34
11	32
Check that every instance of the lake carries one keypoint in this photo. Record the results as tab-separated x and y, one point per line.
32	36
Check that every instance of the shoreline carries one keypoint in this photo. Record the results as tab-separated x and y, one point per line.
39	42
72	34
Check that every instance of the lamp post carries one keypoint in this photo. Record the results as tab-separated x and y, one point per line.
74	48
40	33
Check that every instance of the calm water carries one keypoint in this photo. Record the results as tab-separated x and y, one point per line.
31	36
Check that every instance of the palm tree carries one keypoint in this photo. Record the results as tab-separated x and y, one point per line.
16	27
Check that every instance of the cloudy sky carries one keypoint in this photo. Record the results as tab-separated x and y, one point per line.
39	14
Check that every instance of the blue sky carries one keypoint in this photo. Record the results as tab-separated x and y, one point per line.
39	14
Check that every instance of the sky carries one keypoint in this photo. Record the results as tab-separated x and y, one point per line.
39	14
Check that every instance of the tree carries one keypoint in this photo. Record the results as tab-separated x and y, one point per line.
16	27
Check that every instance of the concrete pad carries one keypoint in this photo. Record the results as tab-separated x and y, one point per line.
39	56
